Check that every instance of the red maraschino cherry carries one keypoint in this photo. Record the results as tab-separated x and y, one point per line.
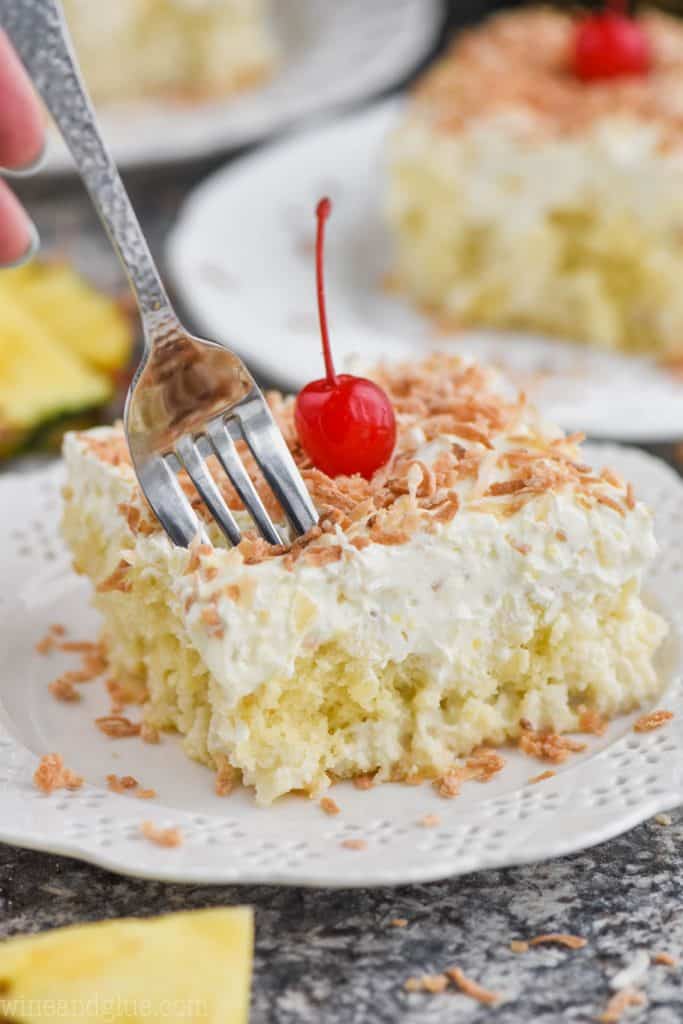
610	44
346	424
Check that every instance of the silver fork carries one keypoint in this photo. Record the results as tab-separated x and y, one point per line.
190	397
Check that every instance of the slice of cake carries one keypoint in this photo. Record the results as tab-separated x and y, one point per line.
184	49
523	196
486	577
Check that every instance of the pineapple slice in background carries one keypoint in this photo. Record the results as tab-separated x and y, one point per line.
61	345
84	320
191	967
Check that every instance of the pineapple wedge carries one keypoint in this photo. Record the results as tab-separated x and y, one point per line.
190	967
40	379
84	320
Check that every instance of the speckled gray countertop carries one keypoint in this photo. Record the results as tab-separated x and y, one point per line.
334	956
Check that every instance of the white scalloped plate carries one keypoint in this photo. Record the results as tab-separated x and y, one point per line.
333	54
241	257
622	779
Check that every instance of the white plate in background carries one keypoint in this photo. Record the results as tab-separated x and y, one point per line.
623	777
242	260
333	54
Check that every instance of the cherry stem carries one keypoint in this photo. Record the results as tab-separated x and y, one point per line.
618	6
322	212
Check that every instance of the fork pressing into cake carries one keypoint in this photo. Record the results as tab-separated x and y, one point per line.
190	397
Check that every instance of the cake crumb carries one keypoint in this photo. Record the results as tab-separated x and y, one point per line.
653	720
364	781
481	766
471	988
591	721
398	922
226	776
354	844
559	939
149	733
448	786
168	837
51	774
128	784
519	946
430	821
117	726
329	806
663	819
665	959
433	983
549	774
122	784
619	1003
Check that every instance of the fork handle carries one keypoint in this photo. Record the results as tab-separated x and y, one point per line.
38	32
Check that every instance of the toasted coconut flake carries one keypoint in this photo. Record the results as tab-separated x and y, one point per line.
364	781
46	644
329	806
121	784
471	988
653	720
665	959
433	983
398	922
619	1004
547	746
549	774
167	837
210	616
519	946
447	511
481	766
51	774
559	939
117	726
430	821
64	689
630	496
354	844
116	581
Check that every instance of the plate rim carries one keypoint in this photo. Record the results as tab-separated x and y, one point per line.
224	138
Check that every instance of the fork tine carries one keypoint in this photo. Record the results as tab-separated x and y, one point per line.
169	502
275	461
192	461
224	447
